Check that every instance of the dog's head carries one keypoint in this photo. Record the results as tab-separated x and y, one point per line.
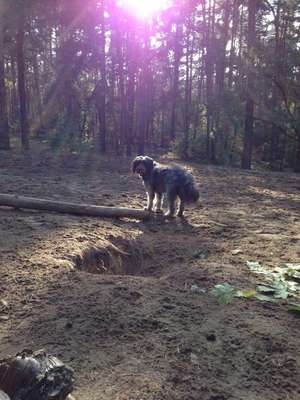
143	165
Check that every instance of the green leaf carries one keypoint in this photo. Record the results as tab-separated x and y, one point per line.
201	253
293	266
224	293
255	266
292	271
294	308
284	279
246	294
293	287
281	289
265	289
262	297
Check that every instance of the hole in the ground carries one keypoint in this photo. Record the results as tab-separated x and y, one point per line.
118	257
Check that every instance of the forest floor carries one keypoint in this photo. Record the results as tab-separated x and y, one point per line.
128	304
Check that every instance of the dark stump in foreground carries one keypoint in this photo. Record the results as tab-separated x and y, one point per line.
35	376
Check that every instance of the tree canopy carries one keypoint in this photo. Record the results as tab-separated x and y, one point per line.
216	80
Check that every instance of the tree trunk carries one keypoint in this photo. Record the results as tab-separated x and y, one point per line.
21	83
235	22
220	84
274	146
130	93
249	112
13	113
103	86
142	113
209	68
280	75
4	128
283	150
121	91
188	74
297	157
144	95
37	128
248	134
175	81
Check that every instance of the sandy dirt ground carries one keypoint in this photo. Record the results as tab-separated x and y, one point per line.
115	299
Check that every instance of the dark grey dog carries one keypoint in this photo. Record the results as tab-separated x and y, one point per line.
159	179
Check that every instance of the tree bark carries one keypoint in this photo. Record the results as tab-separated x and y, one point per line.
13	92
103	85
234	29
249	112
37	128
121	92
276	156
175	83
220	85
143	119
190	41
21	82
209	69
4	127
130	92
297	157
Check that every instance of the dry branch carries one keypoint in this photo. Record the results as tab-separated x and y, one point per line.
70	208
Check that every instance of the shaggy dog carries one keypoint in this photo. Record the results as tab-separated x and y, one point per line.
172	181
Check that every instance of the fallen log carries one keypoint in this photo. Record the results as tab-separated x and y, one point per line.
70	208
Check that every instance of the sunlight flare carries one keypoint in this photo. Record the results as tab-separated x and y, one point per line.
144	9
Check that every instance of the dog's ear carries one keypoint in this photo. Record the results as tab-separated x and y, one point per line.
136	162
134	165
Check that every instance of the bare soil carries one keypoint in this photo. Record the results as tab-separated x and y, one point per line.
116	299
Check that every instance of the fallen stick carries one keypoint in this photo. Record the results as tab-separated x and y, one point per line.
70	208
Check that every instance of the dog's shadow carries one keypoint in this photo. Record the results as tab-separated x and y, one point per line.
163	221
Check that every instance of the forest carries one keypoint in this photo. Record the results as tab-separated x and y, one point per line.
214	80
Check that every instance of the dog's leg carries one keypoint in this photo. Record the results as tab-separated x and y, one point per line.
150	198
150	195
171	198
181	208
158	202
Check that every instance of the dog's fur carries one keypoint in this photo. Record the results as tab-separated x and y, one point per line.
159	179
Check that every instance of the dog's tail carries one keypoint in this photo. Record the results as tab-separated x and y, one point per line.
191	192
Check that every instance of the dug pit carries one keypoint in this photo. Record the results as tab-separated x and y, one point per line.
115	257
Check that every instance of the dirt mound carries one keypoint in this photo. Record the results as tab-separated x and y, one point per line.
117	257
